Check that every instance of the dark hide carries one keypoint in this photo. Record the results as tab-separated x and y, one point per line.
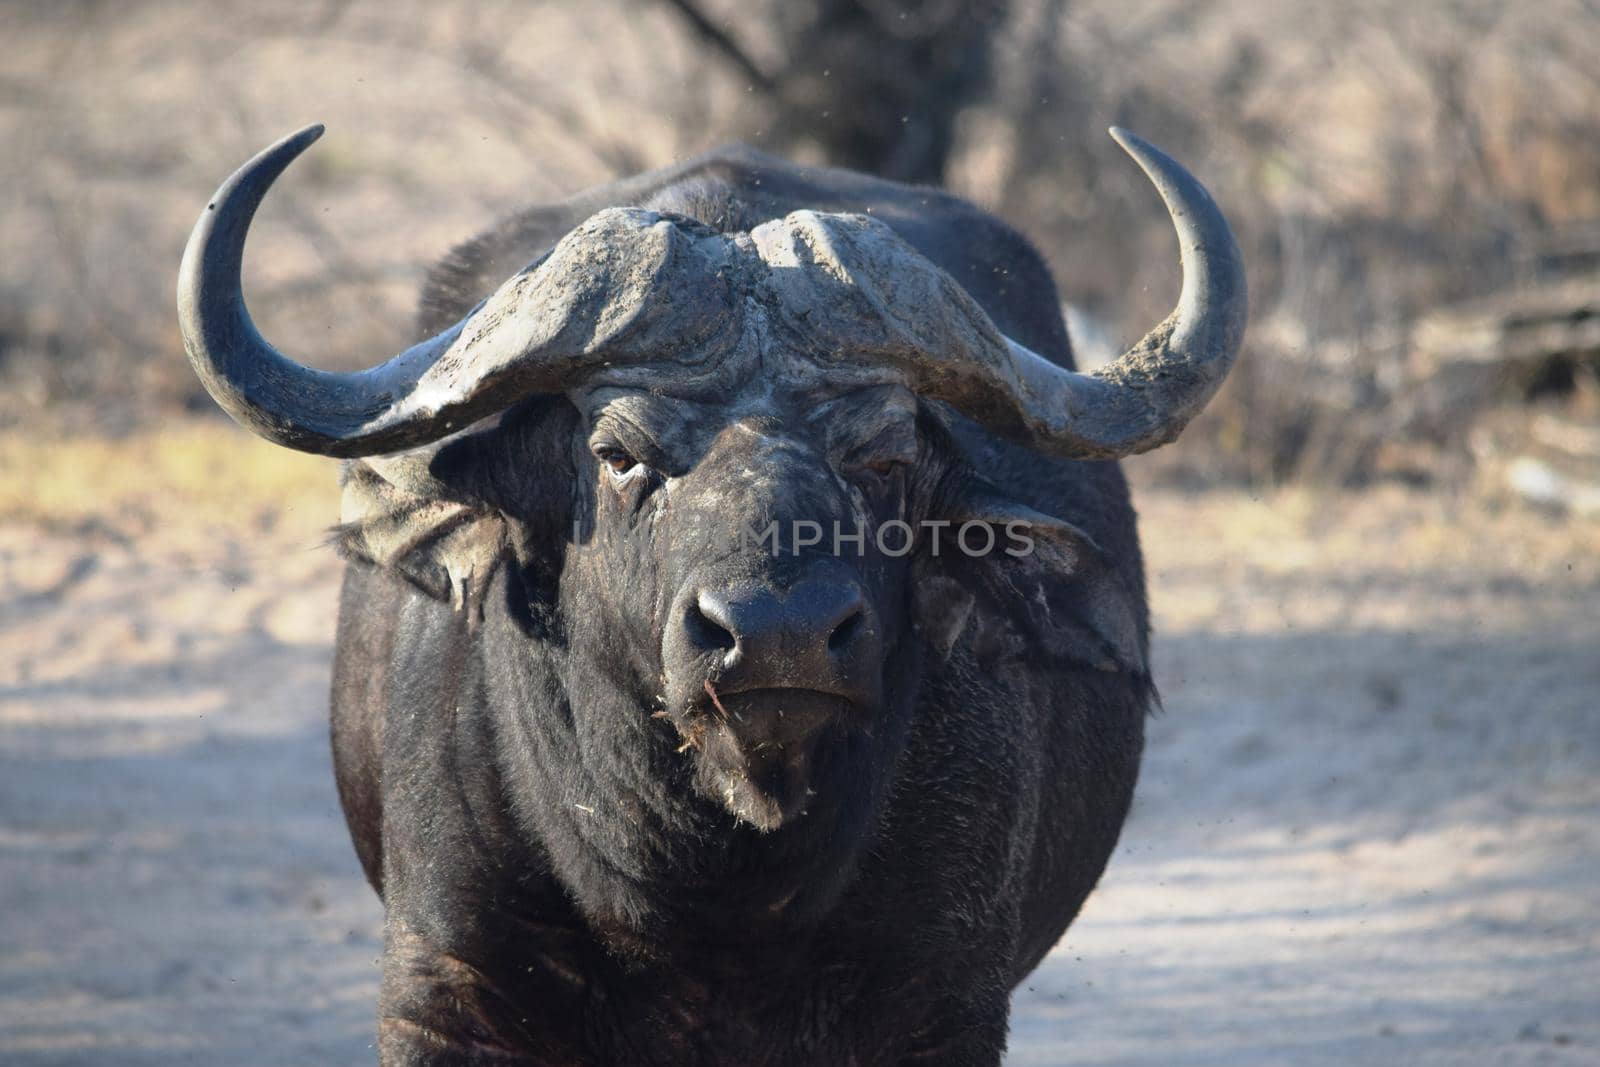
546	801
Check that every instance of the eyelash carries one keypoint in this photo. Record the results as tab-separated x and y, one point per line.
621	465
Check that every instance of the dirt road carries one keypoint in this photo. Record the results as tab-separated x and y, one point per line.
1368	829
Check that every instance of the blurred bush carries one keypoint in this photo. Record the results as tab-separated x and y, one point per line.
1380	159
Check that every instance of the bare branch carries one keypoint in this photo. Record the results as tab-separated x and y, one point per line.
719	39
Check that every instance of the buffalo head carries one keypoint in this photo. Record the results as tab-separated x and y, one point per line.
749	519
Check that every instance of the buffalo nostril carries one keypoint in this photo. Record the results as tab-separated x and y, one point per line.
705	621
845	630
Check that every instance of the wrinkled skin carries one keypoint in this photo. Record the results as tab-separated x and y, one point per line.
586	854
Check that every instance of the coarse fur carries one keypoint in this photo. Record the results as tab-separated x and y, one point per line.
538	807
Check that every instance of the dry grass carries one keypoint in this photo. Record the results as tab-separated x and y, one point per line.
188	474
1374	555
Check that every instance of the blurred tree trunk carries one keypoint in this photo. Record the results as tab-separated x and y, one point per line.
874	85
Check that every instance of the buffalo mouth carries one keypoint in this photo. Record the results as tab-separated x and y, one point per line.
758	749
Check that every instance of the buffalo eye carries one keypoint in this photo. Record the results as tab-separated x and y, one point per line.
879	471
618	462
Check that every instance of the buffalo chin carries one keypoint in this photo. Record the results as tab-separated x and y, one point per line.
758	751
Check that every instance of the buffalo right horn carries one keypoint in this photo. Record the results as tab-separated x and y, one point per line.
850	285
1144	399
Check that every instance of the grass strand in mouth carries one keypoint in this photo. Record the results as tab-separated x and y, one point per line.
717	703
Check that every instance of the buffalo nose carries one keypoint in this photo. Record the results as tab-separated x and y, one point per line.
798	638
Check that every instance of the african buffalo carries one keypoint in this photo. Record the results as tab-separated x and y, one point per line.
742	657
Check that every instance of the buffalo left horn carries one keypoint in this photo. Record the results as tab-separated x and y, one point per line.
585	304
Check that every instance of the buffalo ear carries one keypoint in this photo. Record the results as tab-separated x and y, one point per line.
1044	586
447	516
446	548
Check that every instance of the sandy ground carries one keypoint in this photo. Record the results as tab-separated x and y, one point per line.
1368	830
